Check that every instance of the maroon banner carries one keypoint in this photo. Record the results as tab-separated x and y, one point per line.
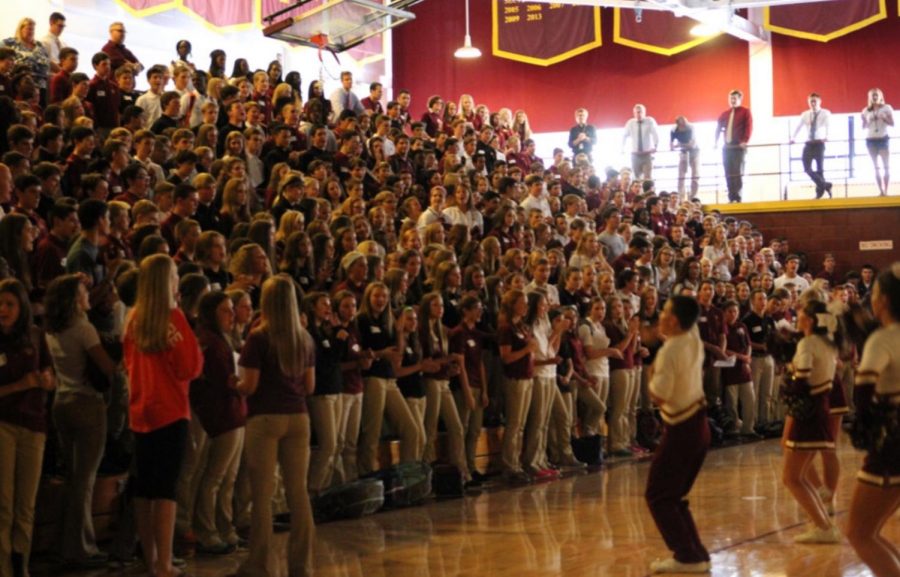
657	31
142	8
543	34
824	21
222	14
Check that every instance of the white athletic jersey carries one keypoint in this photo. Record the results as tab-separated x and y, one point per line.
678	377
880	362
815	360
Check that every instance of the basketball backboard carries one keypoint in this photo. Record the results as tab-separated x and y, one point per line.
335	24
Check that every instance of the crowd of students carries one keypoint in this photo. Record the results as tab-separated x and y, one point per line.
220	269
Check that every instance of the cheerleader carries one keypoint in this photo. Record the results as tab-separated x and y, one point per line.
877	391
806	430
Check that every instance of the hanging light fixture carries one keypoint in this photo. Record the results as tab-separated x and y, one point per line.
467	50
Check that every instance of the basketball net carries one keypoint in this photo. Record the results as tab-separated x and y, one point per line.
326	68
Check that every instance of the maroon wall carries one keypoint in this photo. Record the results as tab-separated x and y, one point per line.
607	80
842	70
839	232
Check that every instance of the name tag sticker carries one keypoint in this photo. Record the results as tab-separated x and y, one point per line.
326	344
101	93
520	336
757	329
63	262
2	360
702	319
409	351
376	330
355	348
471	343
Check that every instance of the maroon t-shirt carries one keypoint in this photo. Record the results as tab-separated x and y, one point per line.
711	325
277	393
26	408
218	407
738	341
469	343
517	337
616	336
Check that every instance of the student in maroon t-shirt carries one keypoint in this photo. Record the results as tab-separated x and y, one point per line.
222	413
25	377
517	348
468	341
738	380
278	374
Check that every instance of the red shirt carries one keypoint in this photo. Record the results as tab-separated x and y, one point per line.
160	380
470	344
741	126
60	87
277	394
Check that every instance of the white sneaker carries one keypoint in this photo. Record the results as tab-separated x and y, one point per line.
828	500
816	535
673	566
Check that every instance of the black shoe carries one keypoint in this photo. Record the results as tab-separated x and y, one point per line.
282	518
828	186
280	527
480	477
819	192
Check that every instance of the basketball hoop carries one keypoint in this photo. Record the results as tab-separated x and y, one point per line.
321	42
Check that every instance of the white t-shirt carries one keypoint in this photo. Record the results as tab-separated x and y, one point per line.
801	283
539	203
542	336
471	219
678	377
594	335
880	362
69	350
815	360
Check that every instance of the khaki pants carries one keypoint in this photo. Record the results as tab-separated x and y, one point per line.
743	392
21	456
689	158
382	398
417	408
559	439
472	421
282	440
325	417
189	478
594	405
535	457
762	370
518	399
81	424
214	515
441	405
634	403
621	392
642	166
348	435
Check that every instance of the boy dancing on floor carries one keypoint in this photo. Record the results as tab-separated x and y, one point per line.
676	386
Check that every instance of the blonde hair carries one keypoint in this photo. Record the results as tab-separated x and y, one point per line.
150	319
280	320
283	90
21	26
230	203
288	224
242	260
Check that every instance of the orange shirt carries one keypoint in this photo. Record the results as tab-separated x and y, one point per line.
159	381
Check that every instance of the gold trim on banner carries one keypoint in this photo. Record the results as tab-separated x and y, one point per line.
618	39
881	15
144	12
495	41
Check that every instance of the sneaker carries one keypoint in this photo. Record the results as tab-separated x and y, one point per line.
673	566
827	500
622	453
119	563
517	478
815	535
542	474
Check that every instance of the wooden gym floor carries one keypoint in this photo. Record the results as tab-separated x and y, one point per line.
590	524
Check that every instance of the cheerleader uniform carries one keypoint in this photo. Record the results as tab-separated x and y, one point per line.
814	365
878	380
837	399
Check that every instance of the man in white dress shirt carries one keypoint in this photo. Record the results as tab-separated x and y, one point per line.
815	121
52	42
344	99
641	129
536	198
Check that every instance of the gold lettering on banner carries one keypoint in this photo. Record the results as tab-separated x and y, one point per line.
534	7
511	19
510	9
534	17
